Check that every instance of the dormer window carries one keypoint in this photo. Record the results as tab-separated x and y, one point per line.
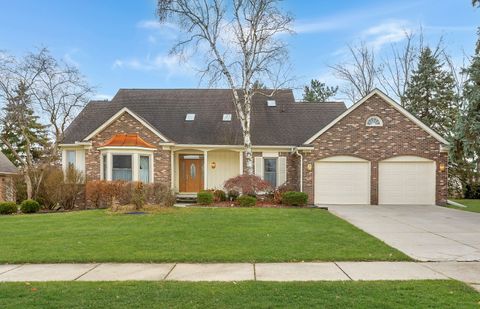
190	117
374	121
227	117
271	103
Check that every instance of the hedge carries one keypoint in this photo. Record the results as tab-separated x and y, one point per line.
8	208
29	206
205	198
246	201
294	198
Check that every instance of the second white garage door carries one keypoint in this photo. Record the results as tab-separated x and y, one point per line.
342	180
406	180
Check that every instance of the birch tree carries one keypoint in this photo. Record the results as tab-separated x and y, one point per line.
242	43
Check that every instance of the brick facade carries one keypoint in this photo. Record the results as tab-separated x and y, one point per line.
7	191
127	124
398	136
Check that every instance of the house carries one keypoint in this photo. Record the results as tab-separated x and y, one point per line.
375	152
7	171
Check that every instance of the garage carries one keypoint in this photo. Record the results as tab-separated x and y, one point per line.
406	180
342	180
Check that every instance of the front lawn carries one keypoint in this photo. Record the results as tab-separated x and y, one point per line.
373	294
188	235
472	205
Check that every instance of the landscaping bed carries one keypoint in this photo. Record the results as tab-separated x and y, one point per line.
189	235
376	294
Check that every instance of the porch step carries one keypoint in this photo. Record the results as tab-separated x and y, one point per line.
186	198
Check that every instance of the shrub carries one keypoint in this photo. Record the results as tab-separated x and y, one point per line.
233	195
278	192
246	201
219	196
29	206
61	190
138	195
294	198
472	191
8	208
205	198
247	184
159	194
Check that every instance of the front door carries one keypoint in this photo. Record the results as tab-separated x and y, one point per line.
191	173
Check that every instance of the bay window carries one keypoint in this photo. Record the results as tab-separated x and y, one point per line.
144	173
122	167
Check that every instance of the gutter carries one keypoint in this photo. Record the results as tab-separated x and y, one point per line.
295	150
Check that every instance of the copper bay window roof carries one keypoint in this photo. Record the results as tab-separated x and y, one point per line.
127	140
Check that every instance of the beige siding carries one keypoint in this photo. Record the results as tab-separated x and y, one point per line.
227	166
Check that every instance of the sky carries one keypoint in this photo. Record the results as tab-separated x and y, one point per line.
119	44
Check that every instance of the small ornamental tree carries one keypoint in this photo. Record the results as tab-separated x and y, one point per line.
247	184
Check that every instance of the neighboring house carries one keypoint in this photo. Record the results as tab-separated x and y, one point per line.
375	152
7	171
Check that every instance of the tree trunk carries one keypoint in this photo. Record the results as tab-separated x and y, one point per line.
248	152
28	182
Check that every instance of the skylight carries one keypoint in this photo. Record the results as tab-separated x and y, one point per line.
227	117
271	103
190	117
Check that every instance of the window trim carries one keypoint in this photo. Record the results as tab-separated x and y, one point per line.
374	125
276	170
136	154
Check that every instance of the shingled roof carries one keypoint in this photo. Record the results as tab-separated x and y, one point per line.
289	123
6	166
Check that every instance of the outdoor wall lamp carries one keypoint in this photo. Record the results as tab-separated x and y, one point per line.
213	165
309	166
442	167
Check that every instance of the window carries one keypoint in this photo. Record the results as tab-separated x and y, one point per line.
144	169
122	167
71	158
104	167
271	103
190	117
374	121
227	117
270	171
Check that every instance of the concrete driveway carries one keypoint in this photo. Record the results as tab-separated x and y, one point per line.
425	233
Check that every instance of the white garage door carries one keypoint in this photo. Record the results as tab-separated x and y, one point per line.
406	180
342	180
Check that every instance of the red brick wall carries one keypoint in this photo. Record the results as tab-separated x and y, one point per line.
397	137
127	124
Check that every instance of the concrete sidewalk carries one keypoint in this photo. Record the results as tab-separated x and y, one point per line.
468	272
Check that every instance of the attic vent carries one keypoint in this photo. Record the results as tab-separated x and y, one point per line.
227	117
190	117
271	103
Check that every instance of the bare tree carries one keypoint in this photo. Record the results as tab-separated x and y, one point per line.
60	91
360	74
242	44
397	67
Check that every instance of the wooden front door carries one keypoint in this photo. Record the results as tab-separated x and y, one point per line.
191	173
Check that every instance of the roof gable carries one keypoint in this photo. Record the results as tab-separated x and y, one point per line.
120	113
389	101
6	166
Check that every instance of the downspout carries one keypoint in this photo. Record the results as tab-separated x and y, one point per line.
295	151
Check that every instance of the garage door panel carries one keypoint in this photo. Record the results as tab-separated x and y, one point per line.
342	182
407	183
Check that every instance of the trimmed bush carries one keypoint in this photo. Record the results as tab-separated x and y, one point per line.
233	195
8	208
247	184
294	198
205	197
246	201
29	206
219	196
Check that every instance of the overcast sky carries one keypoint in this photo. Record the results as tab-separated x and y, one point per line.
119	44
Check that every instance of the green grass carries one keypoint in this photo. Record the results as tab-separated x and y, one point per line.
472	205
373	294
188	235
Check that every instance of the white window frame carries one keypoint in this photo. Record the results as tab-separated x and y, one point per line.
227	117
74	163
276	169
190	117
135	153
371	118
